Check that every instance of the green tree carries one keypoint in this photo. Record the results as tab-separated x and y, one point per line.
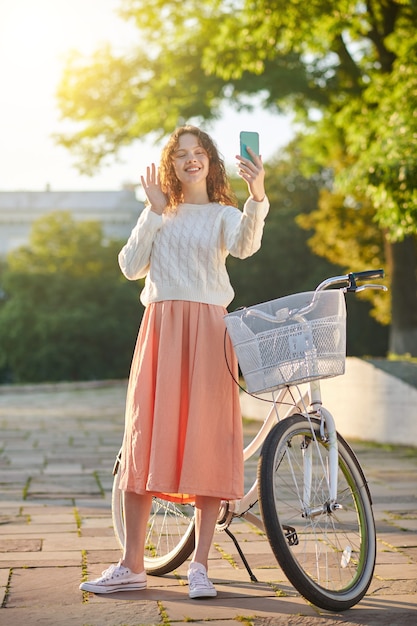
68	314
346	69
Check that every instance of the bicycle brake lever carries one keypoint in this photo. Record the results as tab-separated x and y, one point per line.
363	287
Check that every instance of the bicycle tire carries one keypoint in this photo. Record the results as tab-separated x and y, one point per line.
170	537
332	557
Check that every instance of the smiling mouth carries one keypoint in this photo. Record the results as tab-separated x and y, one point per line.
192	169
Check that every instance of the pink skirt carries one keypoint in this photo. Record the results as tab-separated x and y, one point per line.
183	430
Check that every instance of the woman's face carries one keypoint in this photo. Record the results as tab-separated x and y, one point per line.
191	161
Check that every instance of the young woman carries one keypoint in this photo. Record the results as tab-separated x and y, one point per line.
182	408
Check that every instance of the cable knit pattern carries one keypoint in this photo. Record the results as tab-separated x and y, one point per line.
183	253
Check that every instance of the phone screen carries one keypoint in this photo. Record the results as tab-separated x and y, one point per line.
251	139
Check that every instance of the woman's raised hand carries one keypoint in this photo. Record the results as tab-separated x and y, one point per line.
254	174
152	188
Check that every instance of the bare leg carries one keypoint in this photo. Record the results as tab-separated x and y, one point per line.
207	510
136	510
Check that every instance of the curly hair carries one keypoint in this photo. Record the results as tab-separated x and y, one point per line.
218	185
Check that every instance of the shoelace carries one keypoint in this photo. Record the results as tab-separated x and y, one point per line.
109	573
199	578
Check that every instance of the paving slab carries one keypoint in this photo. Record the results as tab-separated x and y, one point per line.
108	614
58	446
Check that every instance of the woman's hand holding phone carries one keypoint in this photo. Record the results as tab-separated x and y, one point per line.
250	166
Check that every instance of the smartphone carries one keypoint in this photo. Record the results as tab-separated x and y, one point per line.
251	139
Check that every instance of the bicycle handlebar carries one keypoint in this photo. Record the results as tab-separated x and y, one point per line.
368	274
347	282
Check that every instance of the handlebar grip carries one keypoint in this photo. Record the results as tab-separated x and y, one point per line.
367	274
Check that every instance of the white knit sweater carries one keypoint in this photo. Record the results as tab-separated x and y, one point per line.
183	253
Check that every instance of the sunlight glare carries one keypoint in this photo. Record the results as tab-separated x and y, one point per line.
37	35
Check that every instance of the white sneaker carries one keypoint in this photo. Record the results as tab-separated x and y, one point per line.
199	584
115	578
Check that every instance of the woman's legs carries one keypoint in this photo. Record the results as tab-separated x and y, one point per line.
206	513
136	510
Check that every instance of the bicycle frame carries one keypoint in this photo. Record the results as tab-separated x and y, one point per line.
242	508
310	399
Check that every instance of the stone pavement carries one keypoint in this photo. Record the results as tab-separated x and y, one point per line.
57	448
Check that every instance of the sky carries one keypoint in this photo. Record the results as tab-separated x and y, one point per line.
35	37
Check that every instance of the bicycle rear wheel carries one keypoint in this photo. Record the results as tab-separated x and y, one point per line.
328	555
170	536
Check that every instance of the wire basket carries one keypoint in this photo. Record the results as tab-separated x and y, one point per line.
287	350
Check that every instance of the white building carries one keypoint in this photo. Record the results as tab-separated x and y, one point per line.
117	211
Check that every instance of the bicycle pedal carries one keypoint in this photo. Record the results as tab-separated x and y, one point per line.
291	535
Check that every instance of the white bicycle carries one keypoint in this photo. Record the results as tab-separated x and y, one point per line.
311	497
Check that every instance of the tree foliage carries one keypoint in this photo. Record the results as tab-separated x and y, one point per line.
381	137
59	245
67	314
361	246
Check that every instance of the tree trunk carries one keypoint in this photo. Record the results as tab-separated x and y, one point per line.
403	260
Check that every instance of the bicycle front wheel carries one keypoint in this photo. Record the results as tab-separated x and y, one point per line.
328	553
170	536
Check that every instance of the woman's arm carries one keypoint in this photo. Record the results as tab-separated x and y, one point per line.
243	229
135	256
